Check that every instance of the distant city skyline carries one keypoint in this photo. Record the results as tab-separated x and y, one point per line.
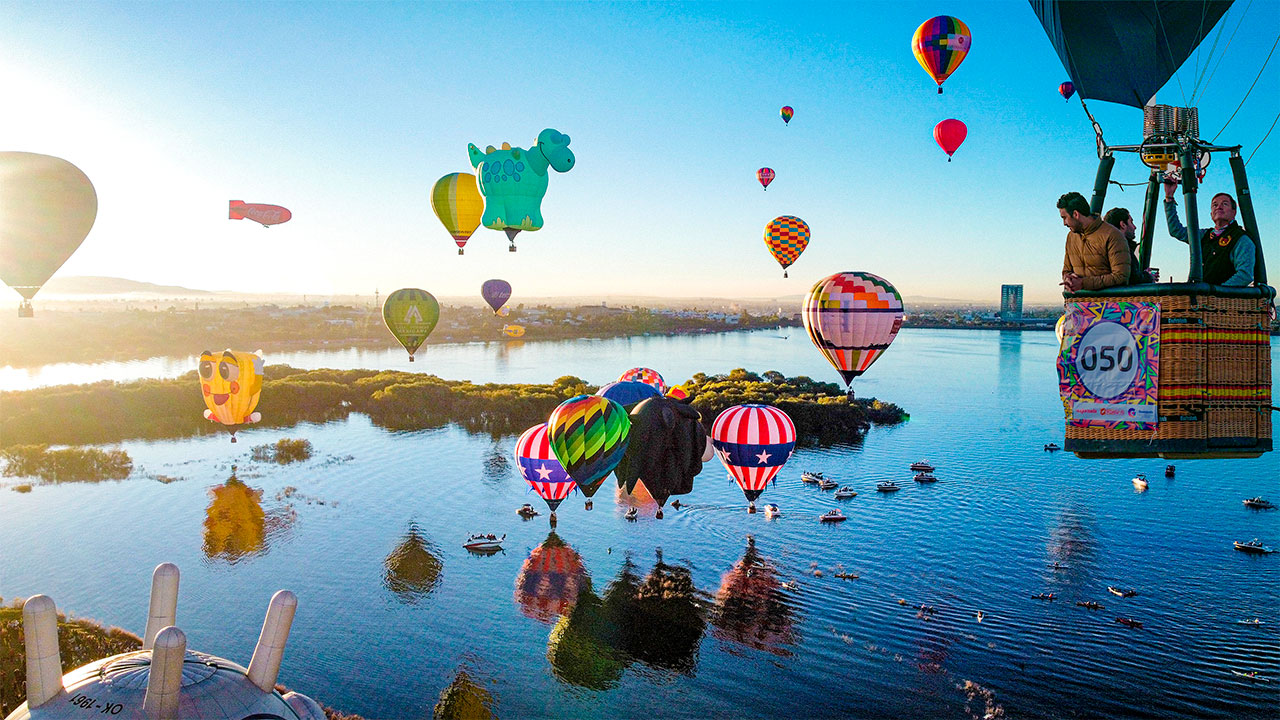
347	113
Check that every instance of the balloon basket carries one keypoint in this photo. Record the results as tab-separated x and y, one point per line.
658	514
233	439
588	504
511	248
751	509
784	273
460	251
410	358
553	518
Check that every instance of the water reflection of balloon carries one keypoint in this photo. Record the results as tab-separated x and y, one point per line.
550	580
47	207
235	526
463	699
580	648
588	436
411	314
751	607
231	383
940	44
852	317
413	568
754	442
665	449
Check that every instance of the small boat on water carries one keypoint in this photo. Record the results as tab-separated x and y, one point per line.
1042	596
1121	593
846	576
924	477
845	493
832	516
1259	504
631	514
813	478
1250	621
828	484
1050	447
1130	622
772	511
1140	482
1252	675
1254	546
1168	471
887	487
1091	605
526	511
484	541
922	466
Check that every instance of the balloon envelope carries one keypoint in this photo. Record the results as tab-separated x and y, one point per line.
1067	89
540	468
754	442
458	204
949	134
786	237
47	207
411	314
664	449
646	376
786	112
588	436
261	213
852	317
231	383
627	392
940	45
765	176
496	293
513	331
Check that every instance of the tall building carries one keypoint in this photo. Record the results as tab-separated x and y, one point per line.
1010	302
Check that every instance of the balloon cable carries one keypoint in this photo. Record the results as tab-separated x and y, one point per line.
1246	95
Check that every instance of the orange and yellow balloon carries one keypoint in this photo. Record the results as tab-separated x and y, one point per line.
457	202
940	45
231	384
786	237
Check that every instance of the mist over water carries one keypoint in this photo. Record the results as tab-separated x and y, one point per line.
709	612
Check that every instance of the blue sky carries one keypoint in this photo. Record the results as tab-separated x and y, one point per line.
348	112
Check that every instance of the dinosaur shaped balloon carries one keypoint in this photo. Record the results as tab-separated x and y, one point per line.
514	181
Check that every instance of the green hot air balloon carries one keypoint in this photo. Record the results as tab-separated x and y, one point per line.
411	314
588	435
47	207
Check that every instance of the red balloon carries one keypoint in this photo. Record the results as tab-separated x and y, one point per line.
260	213
765	176
1067	89
950	134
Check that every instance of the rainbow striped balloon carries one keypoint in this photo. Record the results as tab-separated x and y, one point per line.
646	376
940	45
457	202
589	434
852	317
540	468
753	442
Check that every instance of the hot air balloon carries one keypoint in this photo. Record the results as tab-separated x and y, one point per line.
588	436
940	45
265	215
1058	329
1067	89
664	449
458	204
411	314
514	181
540	468
765	176
550	580
786	237
496	293
786	112
231	383
47	207
513	331
646	376
754	442
677	393
628	393
950	134
852	317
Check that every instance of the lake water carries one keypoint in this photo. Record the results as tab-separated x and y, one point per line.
368	534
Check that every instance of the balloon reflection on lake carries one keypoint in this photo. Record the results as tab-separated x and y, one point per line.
550	580
752	608
236	526
413	568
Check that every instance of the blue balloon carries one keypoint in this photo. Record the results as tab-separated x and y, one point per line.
628	393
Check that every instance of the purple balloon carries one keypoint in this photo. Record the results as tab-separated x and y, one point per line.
496	293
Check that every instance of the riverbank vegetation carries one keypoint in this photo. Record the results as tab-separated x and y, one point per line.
72	464
109	412
284	451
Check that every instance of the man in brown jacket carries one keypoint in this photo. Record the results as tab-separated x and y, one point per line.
1097	254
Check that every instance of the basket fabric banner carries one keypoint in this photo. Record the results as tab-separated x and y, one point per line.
1109	365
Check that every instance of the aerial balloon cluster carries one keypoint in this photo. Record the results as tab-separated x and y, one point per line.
940	45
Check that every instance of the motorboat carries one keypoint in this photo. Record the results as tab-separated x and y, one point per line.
484	541
1050	447
772	511
828	484
1091	605
1259	504
631	514
1254	546
887	486
1250	621
526	511
922	466
924	477
833	516
1140	481
845	493
846	576
1130	622
1042	596
1252	675
1121	593
1168	471
813	478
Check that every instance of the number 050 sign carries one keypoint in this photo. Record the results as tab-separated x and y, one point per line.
1109	366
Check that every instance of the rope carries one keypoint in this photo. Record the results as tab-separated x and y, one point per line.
1169	52
1201	70
1227	47
1122	186
1097	129
1204	10
1264	139
1255	82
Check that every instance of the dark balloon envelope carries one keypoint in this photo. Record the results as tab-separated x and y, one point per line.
628	392
665	450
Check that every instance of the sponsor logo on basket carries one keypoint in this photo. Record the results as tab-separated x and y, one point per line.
1141	412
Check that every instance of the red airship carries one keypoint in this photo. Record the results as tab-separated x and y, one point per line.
267	215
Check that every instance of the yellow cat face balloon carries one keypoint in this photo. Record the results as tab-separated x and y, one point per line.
231	383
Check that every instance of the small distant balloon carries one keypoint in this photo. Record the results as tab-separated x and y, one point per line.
786	112
1067	89
266	215
940	45
496	293
458	204
765	176
646	376
950	134
513	331
411	314
786	237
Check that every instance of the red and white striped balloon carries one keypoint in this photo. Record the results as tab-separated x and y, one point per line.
540	468
753	442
